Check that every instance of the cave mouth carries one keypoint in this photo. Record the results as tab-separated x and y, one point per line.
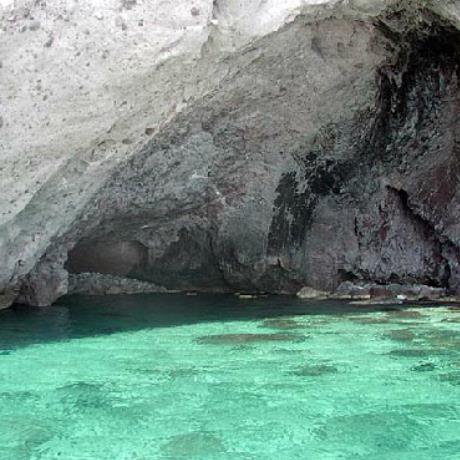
108	257
415	90
186	264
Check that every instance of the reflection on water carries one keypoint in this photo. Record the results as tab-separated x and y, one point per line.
216	377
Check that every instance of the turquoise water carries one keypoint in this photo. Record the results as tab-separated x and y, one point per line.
209	377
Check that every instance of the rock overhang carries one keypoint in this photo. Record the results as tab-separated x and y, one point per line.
233	116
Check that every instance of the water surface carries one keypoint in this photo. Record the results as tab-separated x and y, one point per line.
214	377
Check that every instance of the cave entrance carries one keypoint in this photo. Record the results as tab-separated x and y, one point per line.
119	258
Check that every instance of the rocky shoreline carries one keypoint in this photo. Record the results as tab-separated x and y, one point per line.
371	293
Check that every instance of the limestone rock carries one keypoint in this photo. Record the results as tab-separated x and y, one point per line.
308	292
100	284
253	146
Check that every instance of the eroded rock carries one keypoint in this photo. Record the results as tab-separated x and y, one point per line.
309	293
242	146
100	284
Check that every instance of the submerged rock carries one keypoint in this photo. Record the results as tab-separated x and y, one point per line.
369	319
281	323
316	370
404	314
424	367
238	339
199	444
401	335
451	377
413	352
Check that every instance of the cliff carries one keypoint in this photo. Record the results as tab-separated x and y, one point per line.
229	145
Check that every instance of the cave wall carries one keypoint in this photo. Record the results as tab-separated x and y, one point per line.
271	207
317	149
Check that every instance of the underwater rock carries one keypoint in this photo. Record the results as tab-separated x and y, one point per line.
404	314
281	323
451	377
401	335
413	352
315	370
192	445
238	339
424	367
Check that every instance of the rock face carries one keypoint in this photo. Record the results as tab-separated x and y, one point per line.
229	145
99	284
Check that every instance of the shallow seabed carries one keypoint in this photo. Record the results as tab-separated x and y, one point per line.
214	377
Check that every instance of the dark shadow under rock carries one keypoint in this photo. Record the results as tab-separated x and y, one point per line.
401	335
192	445
424	367
409	314
413	352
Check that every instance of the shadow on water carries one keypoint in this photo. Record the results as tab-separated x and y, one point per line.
82	316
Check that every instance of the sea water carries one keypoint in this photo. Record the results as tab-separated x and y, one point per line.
217	377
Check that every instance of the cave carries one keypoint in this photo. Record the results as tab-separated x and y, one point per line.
327	152
347	176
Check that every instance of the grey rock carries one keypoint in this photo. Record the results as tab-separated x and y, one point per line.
309	293
302	145
34	25
100	284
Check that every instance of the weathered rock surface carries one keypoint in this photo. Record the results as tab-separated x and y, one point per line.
99	284
308	292
229	145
